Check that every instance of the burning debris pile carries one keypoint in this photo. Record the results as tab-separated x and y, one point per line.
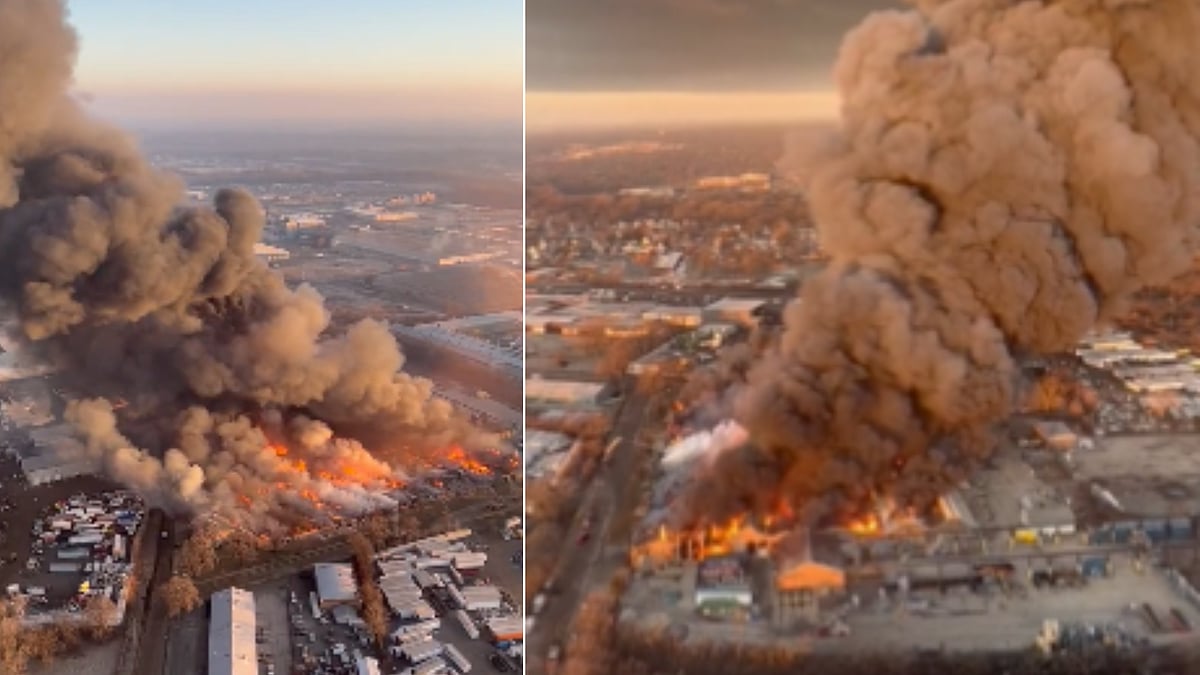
1005	175
237	401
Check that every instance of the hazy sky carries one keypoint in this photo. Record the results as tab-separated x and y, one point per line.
689	60
302	60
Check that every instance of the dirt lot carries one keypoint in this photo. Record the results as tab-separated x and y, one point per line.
95	660
1151	475
978	625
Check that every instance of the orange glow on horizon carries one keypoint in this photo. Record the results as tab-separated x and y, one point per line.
571	110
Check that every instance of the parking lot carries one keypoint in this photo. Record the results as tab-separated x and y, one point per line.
291	640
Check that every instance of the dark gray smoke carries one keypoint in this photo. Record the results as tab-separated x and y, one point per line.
169	310
1005	175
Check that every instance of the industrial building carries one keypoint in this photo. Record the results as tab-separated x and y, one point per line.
335	585
367	666
271	253
562	392
1056	435
18	365
232	649
488	410
56	454
546	452
740	311
472	348
722	586
805	584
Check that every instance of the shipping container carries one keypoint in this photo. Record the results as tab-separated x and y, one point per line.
1097	566
433	666
417	652
65	568
425	580
1180	529
1156	530
467	624
459	601
85	539
1027	537
456	657
73	553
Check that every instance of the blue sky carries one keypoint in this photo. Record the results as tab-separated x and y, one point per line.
349	59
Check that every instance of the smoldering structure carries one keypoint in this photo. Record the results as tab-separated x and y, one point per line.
211	384
1004	176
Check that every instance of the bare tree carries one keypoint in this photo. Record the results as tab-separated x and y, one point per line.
179	595
100	617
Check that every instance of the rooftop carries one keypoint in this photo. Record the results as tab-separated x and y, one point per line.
335	582
232	649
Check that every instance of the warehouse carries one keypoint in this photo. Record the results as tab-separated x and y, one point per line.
231	632
562	392
367	665
335	584
56	455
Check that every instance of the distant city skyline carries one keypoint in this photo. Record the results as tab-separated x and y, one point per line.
657	62
354	61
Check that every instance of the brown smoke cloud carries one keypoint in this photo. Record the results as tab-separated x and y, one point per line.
168	309
1005	175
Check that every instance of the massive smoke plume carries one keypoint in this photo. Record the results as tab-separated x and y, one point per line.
1005	175
222	370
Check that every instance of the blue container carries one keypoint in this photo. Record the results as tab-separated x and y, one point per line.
1094	567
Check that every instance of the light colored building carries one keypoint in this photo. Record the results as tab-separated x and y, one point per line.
56	455
17	365
488	409
367	665
740	311
1056	435
394	216
562	392
271	253
232	649
304	221
335	584
545	452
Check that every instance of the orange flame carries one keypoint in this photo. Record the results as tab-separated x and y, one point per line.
458	457
865	526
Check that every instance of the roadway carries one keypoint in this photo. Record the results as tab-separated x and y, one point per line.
148	644
604	513
690	294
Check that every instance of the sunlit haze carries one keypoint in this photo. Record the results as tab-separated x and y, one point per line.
665	62
566	110
355	61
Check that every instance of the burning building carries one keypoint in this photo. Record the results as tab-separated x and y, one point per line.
1004	177
234	397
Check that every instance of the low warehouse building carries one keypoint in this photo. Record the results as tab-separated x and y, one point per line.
232	649
335	585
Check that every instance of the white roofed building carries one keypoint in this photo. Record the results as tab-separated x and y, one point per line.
232	649
271	253
335	584
562	392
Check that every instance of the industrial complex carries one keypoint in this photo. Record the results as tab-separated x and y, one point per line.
1078	523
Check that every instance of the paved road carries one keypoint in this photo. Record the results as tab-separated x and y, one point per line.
151	648
585	566
688	295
